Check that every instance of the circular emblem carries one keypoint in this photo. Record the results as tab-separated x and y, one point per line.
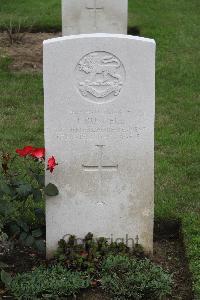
100	77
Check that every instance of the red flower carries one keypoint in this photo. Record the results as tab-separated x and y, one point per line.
25	151
38	152
51	164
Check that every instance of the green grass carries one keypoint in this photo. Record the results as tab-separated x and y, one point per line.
41	15
175	26
21	108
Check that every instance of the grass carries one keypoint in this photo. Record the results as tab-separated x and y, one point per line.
175	26
21	108
41	15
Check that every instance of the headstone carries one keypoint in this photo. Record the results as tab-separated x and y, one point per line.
99	124
91	16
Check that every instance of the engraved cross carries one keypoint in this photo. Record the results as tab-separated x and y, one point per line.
95	7
100	167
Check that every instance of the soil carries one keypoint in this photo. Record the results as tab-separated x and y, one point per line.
26	54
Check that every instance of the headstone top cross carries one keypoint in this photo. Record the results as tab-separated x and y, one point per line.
95	6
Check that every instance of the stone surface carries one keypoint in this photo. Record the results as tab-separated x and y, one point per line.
99	123
90	16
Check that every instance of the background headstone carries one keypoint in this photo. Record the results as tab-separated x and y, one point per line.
99	123
90	16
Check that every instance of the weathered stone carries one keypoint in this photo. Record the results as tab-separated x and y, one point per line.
99	124
90	16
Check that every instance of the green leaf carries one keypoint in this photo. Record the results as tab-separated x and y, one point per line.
29	241
17	183
24	190
5	208
39	213
23	236
40	245
40	179
37	233
37	195
51	190
5	188
14	228
6	278
23	225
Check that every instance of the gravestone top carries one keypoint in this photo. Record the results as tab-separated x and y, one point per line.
99	35
92	16
99	123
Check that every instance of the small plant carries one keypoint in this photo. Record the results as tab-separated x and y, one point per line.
15	33
129	278
89	254
50	283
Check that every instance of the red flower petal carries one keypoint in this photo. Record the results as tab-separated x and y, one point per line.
25	151
51	164
38	152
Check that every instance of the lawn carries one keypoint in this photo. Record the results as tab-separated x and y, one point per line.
21	108
175	26
40	15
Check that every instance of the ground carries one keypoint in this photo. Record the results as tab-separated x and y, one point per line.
175	26
27	54
168	253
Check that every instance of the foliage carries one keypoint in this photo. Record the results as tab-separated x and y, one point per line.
17	188
5	245
49	283
5	277
87	254
130	278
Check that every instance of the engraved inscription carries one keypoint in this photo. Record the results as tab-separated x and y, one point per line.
100	77
103	124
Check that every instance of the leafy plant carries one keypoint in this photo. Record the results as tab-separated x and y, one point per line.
30	236
21	186
130	278
88	254
49	283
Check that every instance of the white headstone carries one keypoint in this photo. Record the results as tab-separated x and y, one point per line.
99	124
90	16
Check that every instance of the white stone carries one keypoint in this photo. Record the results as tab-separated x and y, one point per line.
90	16
99	123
